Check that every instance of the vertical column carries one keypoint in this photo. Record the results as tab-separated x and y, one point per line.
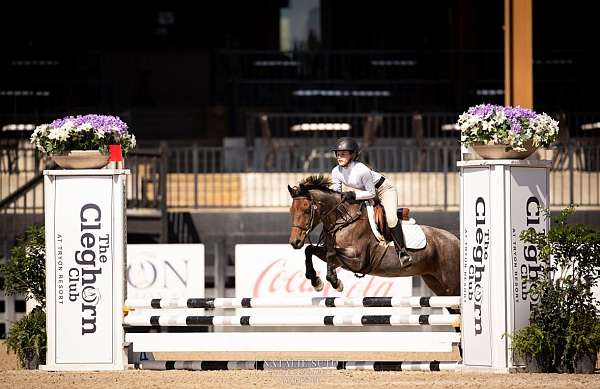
527	211
518	53
499	199
85	259
475	226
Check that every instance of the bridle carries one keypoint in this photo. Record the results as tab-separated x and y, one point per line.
309	226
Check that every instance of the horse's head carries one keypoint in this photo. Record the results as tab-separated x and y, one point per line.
309	198
305	215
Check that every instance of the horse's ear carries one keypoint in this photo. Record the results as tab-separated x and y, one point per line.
291	190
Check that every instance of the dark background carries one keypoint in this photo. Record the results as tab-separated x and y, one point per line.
177	70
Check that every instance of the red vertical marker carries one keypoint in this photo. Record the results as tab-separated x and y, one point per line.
116	156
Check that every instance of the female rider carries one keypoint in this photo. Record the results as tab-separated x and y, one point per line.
368	184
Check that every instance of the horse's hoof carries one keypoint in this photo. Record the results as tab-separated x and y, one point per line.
340	286
319	286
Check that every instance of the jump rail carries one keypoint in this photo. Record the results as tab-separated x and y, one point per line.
296	341
295	302
294	320
320	364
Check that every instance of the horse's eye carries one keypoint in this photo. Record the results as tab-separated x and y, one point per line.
307	210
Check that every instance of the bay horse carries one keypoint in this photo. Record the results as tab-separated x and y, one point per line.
350	243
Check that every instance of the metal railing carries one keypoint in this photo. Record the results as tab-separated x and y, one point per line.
194	177
426	175
22	189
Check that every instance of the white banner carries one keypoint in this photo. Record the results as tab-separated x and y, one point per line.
475	264
529	194
277	270
165	270
84	283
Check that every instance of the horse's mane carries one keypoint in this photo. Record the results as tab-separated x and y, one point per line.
319	182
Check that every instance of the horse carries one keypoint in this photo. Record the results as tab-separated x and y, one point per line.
349	242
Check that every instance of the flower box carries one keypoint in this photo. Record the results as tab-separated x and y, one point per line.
519	131
73	137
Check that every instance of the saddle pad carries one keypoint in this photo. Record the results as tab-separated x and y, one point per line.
413	233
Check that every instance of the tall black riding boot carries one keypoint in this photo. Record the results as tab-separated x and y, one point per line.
398	237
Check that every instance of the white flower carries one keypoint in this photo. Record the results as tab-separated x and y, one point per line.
39	131
84	127
60	134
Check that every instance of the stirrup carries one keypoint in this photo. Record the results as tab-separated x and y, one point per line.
405	258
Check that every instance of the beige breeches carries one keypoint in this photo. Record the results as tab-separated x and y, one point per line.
389	199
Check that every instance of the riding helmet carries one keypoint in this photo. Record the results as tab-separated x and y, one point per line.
347	144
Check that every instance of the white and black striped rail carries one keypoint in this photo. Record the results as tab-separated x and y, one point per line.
142	320
302	364
296	302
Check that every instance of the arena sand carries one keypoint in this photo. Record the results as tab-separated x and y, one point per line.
13	378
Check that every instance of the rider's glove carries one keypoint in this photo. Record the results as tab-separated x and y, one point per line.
349	197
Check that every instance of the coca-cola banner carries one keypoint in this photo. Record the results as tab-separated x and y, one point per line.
263	270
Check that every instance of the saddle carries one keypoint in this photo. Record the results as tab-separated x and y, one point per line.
379	215
414	235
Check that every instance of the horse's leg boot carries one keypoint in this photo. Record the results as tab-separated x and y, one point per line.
398	237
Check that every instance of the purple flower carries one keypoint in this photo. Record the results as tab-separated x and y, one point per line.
484	110
515	127
517	117
101	123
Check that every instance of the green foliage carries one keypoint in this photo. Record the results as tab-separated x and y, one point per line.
565	320
27	339
529	340
24	271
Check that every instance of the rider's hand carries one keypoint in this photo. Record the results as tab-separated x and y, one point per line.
349	197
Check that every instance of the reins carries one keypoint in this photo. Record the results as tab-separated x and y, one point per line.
345	220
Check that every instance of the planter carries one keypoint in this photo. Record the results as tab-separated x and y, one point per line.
81	159
537	363
585	363
497	151
32	361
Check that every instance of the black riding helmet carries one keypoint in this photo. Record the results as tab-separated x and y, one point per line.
347	144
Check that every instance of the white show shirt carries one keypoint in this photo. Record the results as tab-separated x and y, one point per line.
358	176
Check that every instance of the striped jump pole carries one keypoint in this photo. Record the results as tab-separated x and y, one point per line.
290	320
302	364
295	302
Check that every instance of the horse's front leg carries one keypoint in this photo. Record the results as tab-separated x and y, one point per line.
331	273
311	274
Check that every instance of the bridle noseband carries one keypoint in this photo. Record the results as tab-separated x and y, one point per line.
309	226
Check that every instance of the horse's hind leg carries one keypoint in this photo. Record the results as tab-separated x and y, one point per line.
311	274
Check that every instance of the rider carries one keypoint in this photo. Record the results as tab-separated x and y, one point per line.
368	184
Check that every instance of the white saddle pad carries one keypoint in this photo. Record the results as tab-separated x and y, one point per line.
414	236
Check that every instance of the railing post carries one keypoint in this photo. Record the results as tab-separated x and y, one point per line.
162	179
195	173
445	169
571	174
250	122
220	268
